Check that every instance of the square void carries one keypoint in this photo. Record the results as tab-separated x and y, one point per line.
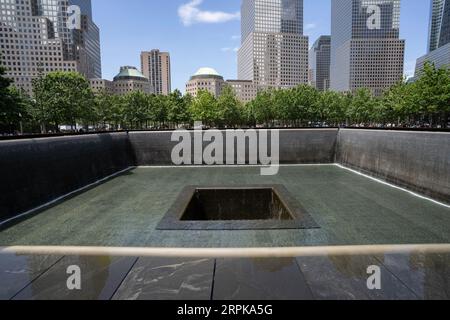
236	208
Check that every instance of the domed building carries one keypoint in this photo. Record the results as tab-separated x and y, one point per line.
131	79
206	79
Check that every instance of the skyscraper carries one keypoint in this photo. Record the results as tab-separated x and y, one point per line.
439	37
36	38
274	52
155	66
319	63
366	51
439	24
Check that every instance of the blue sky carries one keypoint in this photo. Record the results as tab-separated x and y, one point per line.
201	33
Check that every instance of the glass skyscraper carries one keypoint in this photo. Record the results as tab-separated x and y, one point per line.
35	39
366	51
274	51
319	63
439	24
439	37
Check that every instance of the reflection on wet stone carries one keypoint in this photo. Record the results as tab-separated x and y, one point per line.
259	279
428	275
17	271
168	279
100	277
344	277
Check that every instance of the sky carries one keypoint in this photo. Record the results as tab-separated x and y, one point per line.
206	33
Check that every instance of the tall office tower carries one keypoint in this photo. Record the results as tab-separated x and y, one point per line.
366	51
319	63
439	24
155	66
274	52
36	37
439	37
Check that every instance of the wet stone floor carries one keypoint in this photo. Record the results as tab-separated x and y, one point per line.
413	275
348	209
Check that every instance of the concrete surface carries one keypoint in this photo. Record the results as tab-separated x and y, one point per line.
411	275
296	146
36	171
419	161
124	212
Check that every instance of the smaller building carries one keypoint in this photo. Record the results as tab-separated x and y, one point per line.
102	85
128	80
155	66
206	79
439	57
319	63
245	90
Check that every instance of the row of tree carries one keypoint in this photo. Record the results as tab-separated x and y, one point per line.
65	98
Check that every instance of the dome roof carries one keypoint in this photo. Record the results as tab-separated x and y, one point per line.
206	72
127	73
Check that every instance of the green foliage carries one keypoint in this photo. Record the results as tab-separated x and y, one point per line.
431	94
63	98
13	104
204	108
178	108
262	109
229	108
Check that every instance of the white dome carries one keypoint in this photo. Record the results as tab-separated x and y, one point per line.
206	72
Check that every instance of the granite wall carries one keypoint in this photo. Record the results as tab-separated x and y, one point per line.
419	161
36	171
296	146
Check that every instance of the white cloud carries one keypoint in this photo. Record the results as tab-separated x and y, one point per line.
236	37
189	14
228	49
310	26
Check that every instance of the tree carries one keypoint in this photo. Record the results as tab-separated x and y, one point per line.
136	109
13	104
204	108
397	106
229	107
261	109
432	94
304	104
107	111
63	98
362	107
178	108
330	107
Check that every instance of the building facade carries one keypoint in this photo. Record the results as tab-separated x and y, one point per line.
439	37
246	90
205	79
208	79
439	33
274	51
36	38
366	50
102	85
319	63
155	66
128	80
